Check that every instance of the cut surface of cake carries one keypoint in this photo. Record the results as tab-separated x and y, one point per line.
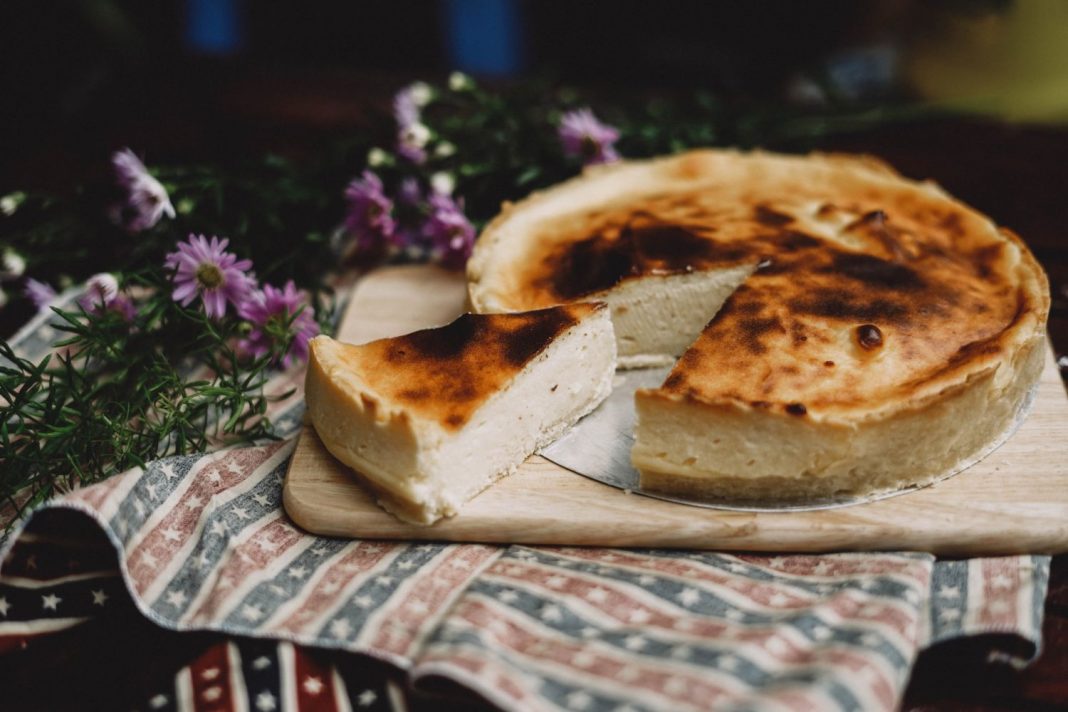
841	330
430	419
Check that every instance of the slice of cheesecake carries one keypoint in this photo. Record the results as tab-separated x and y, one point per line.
430	419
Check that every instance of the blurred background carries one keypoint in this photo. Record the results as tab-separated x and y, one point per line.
210	79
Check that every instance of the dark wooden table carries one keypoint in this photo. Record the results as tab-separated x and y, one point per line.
1018	175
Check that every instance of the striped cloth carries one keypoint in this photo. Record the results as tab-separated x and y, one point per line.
203	543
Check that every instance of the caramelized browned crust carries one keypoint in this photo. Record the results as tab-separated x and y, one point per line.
445	374
872	290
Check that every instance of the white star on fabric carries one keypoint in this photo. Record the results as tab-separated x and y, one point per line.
215	478
151	489
630	673
584	659
589	632
265	702
821	632
579	700
418	607
551	613
210	673
363	601
158	702
738	568
1002	581
261	499
634	642
139	508
4	606
646	580
171	535
176	598
688	596
1000	606
821	569
147	559
383	580
267	544
51	601
99	597
911	596
168	471
681	652
251	613
947	591
313	685
213	693
340	628
639	616
777	645
261	663
241	513
675	686
319	550
556	582
508	596
405	565
297	572
193	502
727	662
597	595
778	599
870	639
219	527
366	698
734	614
948	614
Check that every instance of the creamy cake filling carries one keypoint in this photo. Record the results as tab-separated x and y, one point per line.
425	465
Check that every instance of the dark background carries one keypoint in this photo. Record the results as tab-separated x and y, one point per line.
225	80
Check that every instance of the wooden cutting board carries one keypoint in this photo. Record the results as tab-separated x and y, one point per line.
1014	501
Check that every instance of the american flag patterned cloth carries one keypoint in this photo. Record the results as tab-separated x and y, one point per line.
202	543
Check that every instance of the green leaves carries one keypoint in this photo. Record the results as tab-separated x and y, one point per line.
117	395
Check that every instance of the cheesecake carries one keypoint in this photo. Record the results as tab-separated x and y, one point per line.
835	329
430	419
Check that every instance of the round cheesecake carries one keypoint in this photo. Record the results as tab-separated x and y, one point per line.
836	329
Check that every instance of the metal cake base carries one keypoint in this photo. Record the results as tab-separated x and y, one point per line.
599	447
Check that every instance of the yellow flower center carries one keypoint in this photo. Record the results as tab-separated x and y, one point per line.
209	276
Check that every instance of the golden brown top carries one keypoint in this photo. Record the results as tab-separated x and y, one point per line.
445	374
870	288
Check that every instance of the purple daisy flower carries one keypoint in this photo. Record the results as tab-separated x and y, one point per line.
40	293
271	312
124	307
584	136
412	141
207	269
409	192
146	200
450	233
100	291
370	216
